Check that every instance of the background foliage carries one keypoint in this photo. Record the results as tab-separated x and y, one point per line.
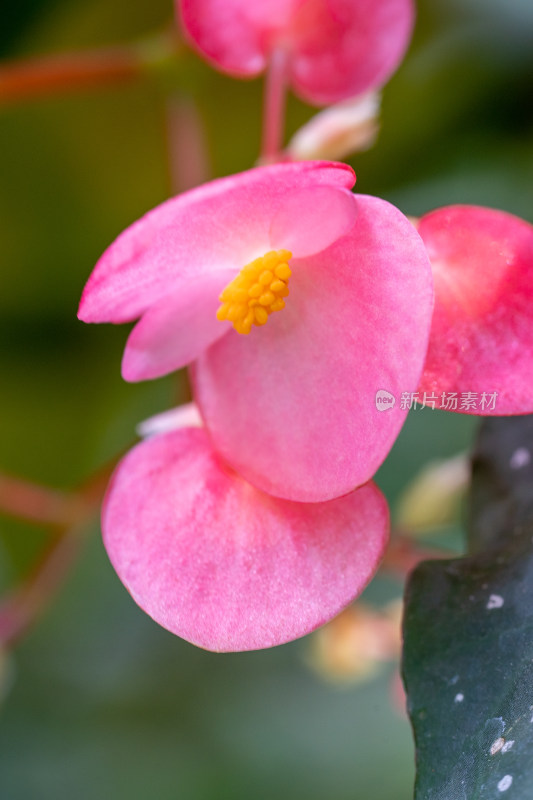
100	702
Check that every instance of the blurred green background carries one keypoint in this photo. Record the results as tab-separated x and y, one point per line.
99	701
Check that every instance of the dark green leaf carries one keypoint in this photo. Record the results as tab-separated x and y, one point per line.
468	627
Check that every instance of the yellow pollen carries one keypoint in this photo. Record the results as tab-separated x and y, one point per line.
257	291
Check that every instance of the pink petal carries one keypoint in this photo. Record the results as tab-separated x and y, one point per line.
312	219
236	35
336	48
482	332
174	331
225	566
222	225
343	48
292	406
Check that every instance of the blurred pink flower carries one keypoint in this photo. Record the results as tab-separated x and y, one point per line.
332	49
292	405
482	332
222	564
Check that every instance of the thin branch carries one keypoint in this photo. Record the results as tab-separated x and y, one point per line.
34	503
187	145
70	515
21	607
404	553
275	94
56	74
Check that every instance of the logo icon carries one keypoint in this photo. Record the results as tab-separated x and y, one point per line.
384	400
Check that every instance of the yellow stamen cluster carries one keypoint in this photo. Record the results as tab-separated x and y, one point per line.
257	291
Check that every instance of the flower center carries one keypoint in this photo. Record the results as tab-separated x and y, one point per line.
257	291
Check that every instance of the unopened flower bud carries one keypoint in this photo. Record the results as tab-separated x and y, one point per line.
432	499
352	647
348	127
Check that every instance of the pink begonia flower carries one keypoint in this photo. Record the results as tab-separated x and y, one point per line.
291	406
481	342
334	49
223	565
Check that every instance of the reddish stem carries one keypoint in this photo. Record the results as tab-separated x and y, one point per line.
68	513
55	74
404	553
187	145
34	503
274	107
20	608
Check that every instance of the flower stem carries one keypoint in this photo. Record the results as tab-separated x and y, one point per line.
69	516
21	607
55	74
40	504
403	554
274	107
187	145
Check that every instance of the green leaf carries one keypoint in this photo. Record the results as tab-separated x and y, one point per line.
468	628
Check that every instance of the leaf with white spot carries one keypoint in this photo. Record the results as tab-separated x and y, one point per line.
468	628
